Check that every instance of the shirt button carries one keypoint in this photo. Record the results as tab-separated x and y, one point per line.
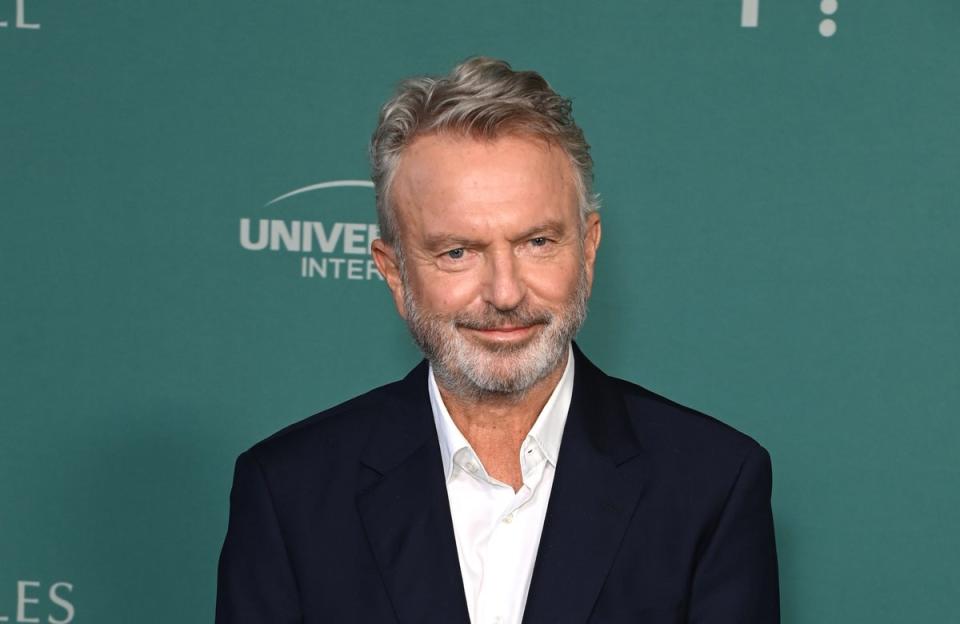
508	518
471	467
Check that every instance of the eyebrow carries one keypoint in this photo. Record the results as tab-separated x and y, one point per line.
556	228
445	240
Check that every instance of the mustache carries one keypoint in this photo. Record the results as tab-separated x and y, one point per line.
497	319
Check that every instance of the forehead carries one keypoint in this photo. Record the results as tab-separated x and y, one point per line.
474	183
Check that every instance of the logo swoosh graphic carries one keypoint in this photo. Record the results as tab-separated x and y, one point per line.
319	186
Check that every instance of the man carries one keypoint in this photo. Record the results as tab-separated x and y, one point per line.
506	478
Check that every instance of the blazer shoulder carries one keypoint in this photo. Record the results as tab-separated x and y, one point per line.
680	428
343	428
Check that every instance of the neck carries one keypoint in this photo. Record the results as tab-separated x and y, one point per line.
496	425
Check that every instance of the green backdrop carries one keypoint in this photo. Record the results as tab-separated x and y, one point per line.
781	250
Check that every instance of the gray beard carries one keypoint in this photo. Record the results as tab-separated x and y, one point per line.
474	371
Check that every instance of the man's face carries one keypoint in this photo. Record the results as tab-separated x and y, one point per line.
497	266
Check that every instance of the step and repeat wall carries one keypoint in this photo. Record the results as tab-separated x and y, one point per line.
780	184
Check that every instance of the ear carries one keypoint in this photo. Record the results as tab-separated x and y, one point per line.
385	257
591	242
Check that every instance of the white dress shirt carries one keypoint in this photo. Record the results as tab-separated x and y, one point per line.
497	529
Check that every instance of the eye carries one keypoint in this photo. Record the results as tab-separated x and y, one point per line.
455	254
539	241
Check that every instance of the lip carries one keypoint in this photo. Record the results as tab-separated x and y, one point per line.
506	334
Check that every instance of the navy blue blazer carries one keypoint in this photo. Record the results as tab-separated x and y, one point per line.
658	514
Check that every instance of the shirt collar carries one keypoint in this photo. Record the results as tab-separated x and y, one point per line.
547	430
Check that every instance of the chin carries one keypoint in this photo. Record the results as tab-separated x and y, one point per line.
508	369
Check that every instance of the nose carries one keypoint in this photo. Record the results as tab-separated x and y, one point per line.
504	288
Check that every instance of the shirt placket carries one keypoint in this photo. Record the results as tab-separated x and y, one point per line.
508	529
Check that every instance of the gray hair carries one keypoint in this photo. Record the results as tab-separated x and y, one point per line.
481	98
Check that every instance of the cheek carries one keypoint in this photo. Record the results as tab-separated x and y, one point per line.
446	293
553	282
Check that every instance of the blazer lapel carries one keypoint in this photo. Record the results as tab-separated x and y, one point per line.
597	485
402	501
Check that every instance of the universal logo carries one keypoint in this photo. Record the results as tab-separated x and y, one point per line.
34	600
21	22
750	15
329	249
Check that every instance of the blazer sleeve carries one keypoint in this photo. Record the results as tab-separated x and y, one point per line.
736	579
255	581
